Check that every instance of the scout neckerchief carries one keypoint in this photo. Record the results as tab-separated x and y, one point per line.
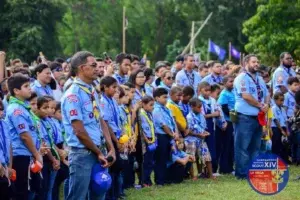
176	105
128	121
140	93
184	108
206	104
150	122
34	118
91	92
288	70
216	79
190	76
48	127
4	147
258	88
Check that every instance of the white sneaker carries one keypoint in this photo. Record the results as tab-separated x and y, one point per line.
216	174
233	173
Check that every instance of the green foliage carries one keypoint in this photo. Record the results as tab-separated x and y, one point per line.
273	29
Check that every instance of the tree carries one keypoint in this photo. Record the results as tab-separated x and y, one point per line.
273	29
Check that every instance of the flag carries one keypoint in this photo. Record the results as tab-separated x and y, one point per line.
235	53
213	48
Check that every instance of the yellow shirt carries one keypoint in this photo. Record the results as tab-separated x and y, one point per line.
177	114
266	129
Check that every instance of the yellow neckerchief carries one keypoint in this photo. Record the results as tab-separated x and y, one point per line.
127	127
96	110
143	113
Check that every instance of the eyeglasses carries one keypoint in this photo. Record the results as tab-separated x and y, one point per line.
169	78
58	69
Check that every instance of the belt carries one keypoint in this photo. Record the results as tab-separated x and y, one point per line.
82	148
251	116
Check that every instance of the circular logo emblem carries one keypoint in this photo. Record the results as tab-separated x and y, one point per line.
268	174
91	115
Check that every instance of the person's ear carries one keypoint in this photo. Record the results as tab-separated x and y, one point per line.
16	91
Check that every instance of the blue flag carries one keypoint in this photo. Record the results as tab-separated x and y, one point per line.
235	53
213	48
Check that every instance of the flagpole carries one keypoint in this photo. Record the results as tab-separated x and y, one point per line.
124	30
192	38
208	49
240	58
229	50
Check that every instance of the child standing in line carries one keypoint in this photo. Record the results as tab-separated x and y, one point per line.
187	93
279	127
149	138
210	112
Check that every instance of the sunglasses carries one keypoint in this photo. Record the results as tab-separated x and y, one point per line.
58	69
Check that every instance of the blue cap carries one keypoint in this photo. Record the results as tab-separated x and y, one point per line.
100	179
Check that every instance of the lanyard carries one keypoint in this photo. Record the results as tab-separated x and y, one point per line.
141	94
258	88
206	105
150	122
34	118
96	110
127	125
190	77
184	109
287	70
4	143
216	79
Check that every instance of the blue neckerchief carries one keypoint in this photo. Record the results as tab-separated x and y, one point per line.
206	104
184	108
258	88
190	76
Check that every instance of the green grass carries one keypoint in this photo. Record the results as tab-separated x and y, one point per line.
225	187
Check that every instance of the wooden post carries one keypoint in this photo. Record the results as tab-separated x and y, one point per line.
124	30
208	49
229	50
192	38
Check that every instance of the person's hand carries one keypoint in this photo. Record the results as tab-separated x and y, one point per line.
2	55
224	126
103	160
2	170
137	106
56	165
109	70
216	113
112	154
38	158
265	108
175	136
44	149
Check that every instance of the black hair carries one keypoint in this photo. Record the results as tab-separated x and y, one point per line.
55	65
215	87
58	106
226	78
167	63
158	92
175	90
134	57
122	56
283	54
179	58
248	57
41	101
202	65
147	99
107	81
33	95
188	91
59	60
292	80
277	95
148	72
16	81
51	98
203	84
39	68
195	102
133	75
159	65
78	59
121	92
21	70
99	60
188	55
130	85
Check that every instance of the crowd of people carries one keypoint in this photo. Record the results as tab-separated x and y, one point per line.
98	126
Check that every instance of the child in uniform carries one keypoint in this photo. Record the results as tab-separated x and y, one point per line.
187	93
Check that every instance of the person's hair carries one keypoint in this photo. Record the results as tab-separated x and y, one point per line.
188	91
202	65
51	98
71	73
33	95
121	92
195	102
16	81
213	63
179	58
167	63
283	54
188	55
54	65
21	70
107	81
164	74
210	63
158	92
277	95
215	87
203	84
248	57
59	60
134	57
41	101
130	85
122	56
292	80
58	106
78	59
147	99
159	65
39	68
226	78
175	90
148	72
99	60
133	75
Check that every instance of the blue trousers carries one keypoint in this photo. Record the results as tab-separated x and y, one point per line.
162	156
148	165
277	146
225	140
247	143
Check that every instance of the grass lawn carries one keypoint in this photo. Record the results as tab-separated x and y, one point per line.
225	187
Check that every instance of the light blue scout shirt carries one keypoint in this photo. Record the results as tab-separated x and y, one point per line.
40	90
4	143
138	95
280	77
111	114
176	155
121	79
162	85
185	108
77	105
290	103
162	116
20	121
68	83
280	115
212	79
149	90
197	124
244	83
227	97
50	128
58	126
145	124
123	115
184	78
